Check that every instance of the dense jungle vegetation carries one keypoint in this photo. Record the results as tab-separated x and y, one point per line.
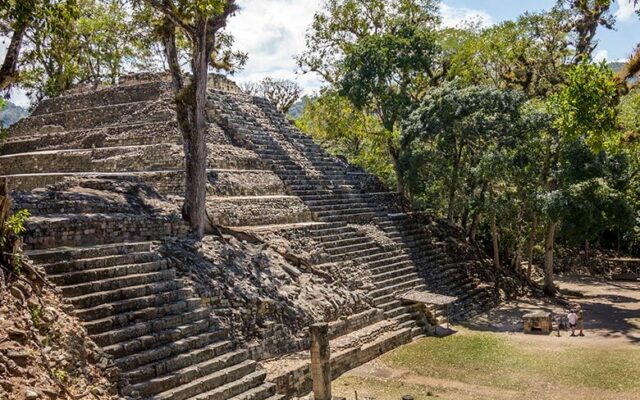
513	132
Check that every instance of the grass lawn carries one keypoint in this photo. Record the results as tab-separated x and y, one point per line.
490	365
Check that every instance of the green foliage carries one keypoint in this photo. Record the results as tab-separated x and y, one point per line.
586	107
629	112
527	54
459	140
333	121
385	73
343	23
36	315
84	42
15	223
592	207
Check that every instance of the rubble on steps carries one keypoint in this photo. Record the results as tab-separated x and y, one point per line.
45	353
253	286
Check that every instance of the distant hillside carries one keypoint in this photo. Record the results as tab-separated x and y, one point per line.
617	66
11	114
298	108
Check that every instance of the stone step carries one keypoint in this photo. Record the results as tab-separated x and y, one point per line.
393	273
339	235
390	305
143	91
333	241
148	348
81	276
404	318
92	117
137	303
359	254
144	328
64	255
350	248
330	209
174	378
117	283
139	359
80	263
378	265
397	280
379	295
364	216
219	385
234	388
119	321
107	159
392	267
265	391
76	230
383	256
144	133
355	199
95	299
396	311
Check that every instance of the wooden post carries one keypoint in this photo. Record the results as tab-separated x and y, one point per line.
320	361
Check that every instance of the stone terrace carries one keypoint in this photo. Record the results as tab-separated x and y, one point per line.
101	173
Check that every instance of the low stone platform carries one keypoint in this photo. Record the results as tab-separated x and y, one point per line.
537	322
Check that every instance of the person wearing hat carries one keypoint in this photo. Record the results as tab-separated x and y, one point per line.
580	315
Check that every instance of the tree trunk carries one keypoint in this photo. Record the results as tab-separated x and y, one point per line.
531	244
453	186
394	154
9	69
549	287
494	240
586	251
195	199
518	262
191	116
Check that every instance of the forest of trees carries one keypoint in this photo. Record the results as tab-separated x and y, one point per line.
512	132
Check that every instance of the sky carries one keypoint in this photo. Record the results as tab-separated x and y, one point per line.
272	32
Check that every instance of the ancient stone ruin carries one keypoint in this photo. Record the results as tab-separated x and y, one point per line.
304	238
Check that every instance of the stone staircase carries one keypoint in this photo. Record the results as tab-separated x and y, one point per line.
335	193
101	173
112	158
164	342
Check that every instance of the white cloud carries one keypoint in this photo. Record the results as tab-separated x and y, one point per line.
272	33
601	55
626	10
456	16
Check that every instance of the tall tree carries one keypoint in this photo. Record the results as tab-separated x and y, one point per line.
282	93
19	17
384	75
589	15
342	23
202	23
456	125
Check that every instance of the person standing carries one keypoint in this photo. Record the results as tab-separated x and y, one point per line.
573	319
580	315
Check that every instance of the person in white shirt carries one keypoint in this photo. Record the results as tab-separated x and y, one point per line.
573	319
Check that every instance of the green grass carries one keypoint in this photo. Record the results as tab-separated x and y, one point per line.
493	360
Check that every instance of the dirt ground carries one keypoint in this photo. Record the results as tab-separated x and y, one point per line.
612	328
